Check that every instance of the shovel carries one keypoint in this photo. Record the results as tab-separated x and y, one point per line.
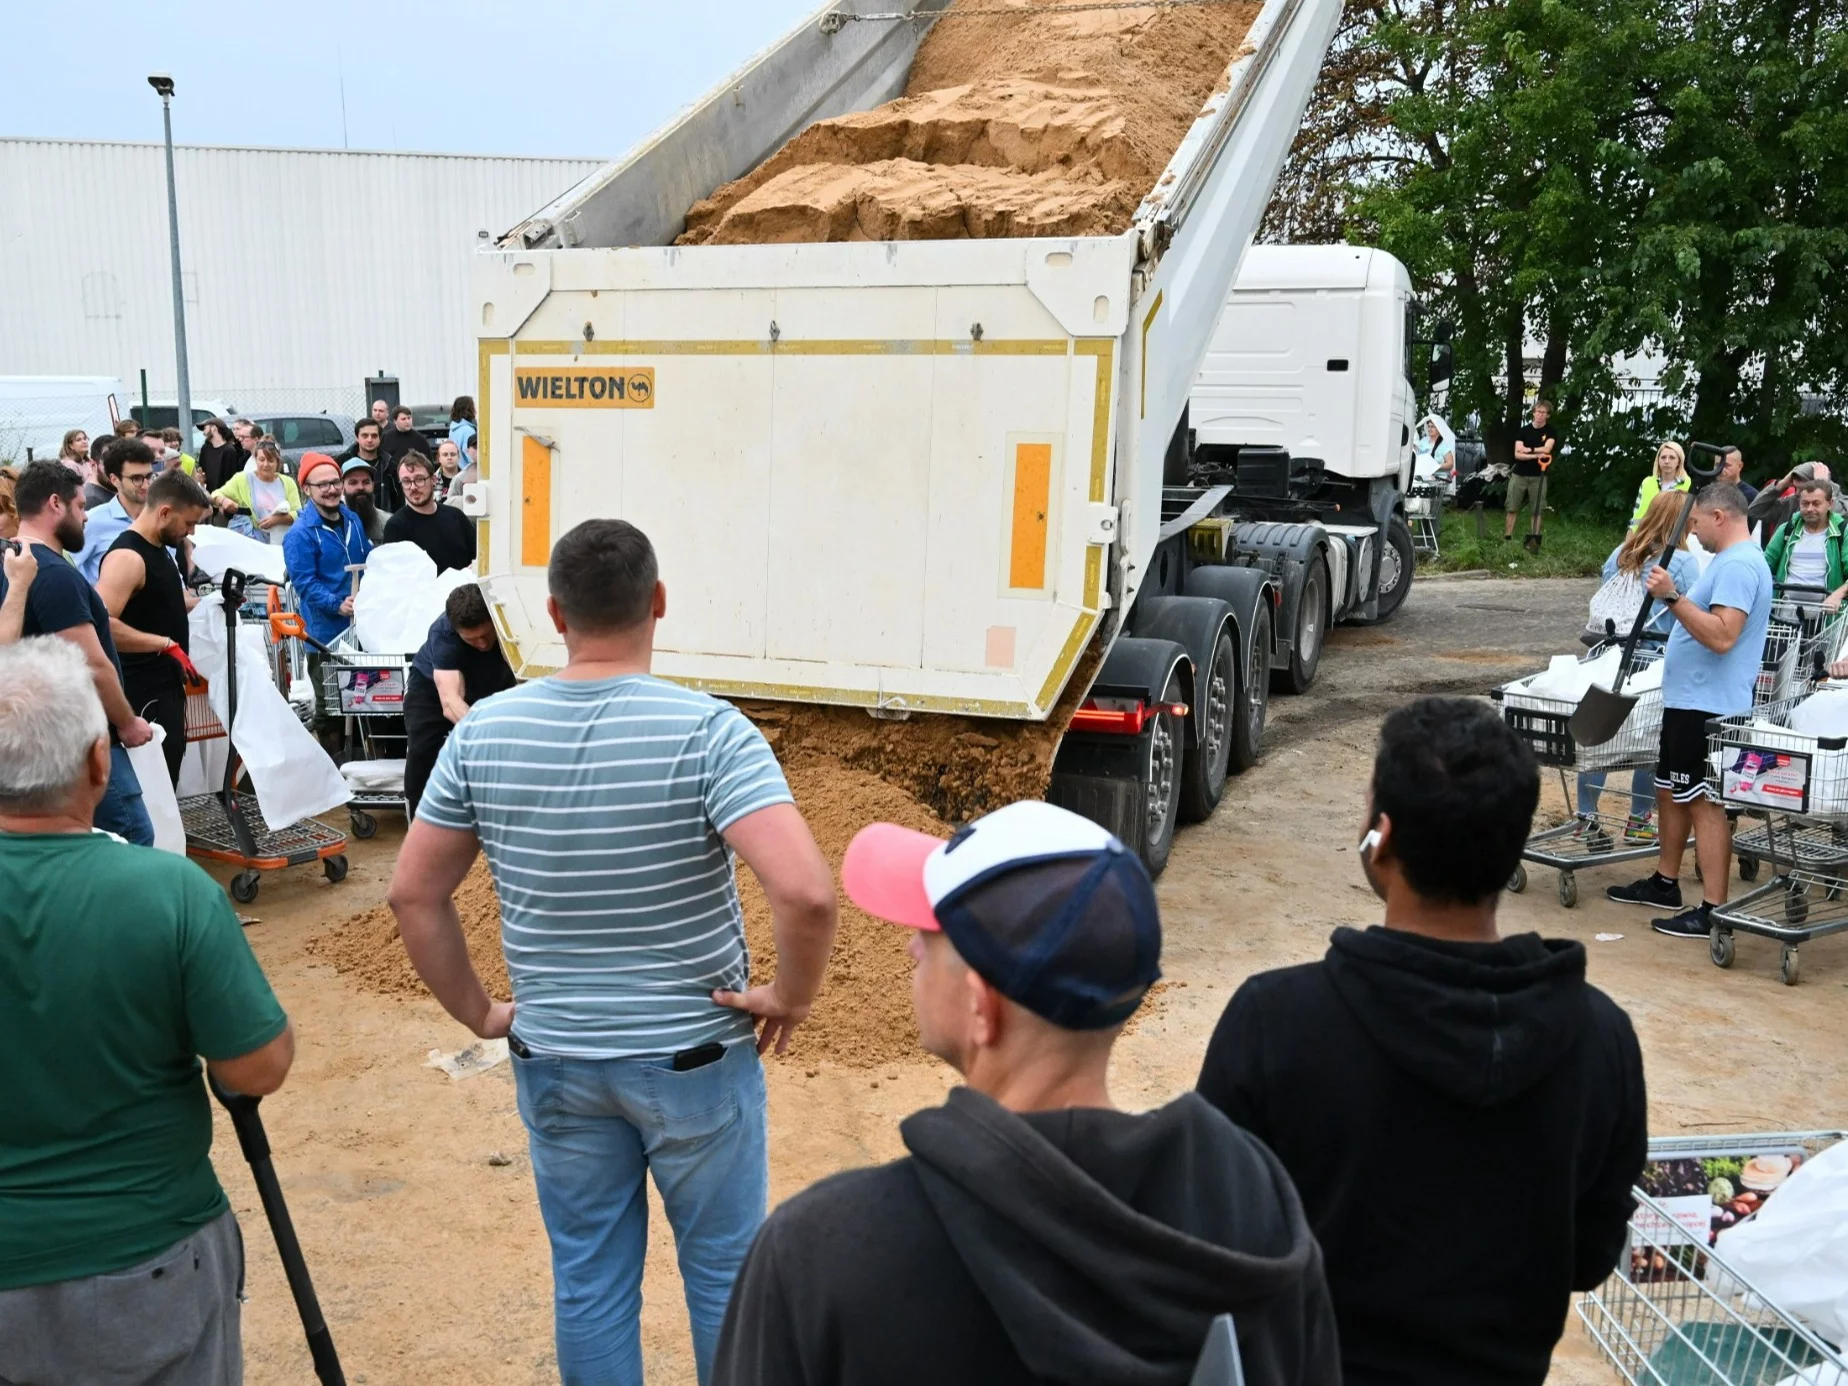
255	1143
1602	712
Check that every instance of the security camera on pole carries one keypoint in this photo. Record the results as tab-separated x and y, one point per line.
163	84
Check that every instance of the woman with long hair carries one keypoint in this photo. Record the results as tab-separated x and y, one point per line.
74	452
1614	609
462	423
1670	473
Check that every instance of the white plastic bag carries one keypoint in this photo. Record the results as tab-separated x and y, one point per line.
294	778
157	796
1795	1252
401	595
216	549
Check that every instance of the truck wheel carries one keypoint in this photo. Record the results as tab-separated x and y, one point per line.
1203	774
1311	625
1397	560
1253	694
1161	748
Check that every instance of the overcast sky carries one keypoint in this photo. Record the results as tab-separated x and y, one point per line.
552	77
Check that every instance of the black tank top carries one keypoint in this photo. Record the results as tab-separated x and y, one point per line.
159	608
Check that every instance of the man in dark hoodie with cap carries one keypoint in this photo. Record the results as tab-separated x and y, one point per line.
1463	1114
1035	1233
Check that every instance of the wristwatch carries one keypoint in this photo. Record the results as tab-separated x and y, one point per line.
1671	599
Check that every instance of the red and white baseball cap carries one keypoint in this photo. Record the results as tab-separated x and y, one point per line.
1052	910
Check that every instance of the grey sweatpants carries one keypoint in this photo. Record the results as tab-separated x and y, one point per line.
170	1321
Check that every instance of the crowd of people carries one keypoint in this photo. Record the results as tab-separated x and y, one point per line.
105	553
1034	1231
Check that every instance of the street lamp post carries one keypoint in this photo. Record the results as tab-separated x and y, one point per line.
163	84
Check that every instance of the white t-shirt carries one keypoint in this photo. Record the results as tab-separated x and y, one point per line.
1809	561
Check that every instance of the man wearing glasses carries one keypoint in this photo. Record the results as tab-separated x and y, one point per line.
129	466
321	546
446	534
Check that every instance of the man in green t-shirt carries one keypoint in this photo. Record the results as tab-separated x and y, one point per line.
120	967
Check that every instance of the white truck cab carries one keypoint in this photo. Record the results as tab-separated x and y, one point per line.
1313	354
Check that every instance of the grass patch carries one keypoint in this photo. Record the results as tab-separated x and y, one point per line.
1571	547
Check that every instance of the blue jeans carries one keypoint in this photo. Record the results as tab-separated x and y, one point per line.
595	1127
1642	792
121	811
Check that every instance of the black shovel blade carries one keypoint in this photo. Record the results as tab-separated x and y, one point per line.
1600	716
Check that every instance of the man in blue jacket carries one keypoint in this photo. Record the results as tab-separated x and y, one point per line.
321	546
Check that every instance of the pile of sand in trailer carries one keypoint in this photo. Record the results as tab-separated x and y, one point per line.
1032	124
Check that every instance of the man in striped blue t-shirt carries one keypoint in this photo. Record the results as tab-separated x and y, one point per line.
608	803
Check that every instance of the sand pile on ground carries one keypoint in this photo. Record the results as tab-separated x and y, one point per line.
1028	124
863	1015
367	948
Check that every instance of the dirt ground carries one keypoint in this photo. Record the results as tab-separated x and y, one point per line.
428	1251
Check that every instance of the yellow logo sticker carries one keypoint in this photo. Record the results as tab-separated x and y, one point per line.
584	387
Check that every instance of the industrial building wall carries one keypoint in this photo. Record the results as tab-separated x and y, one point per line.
305	270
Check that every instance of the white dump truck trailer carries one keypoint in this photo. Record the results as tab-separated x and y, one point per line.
923	478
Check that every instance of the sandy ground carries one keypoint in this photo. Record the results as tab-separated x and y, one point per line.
431	1260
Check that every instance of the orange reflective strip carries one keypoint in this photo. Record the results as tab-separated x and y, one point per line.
535	503
1032	499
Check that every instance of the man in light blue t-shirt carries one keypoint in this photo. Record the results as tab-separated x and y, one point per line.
608	803
1710	670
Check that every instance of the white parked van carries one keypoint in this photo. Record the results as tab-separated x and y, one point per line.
36	411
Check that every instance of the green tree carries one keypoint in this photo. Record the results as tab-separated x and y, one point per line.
1739	264
1600	176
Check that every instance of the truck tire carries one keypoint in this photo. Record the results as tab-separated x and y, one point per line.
1253	694
1160	750
1311	627
1204	771
1397	560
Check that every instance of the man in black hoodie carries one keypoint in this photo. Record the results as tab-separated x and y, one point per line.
1035	1233
1462	1113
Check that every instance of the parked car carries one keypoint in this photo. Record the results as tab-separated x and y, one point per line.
296	434
165	413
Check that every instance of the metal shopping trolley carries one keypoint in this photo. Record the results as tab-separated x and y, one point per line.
1794	785
1585	839
1424	508
229	826
1800	642
366	691
1675	1314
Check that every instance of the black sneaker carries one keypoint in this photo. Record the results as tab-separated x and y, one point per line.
1652	890
1597	841
1692	923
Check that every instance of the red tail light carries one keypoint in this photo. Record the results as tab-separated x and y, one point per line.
1121	716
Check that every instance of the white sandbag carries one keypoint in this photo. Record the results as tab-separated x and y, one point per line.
215	550
157	795
203	770
1823	713
1795	1252
375	776
400	599
293	777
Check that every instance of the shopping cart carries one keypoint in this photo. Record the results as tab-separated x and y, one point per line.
229	826
1424	509
1674	1313
1593	838
1801	641
1794	786
367	692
